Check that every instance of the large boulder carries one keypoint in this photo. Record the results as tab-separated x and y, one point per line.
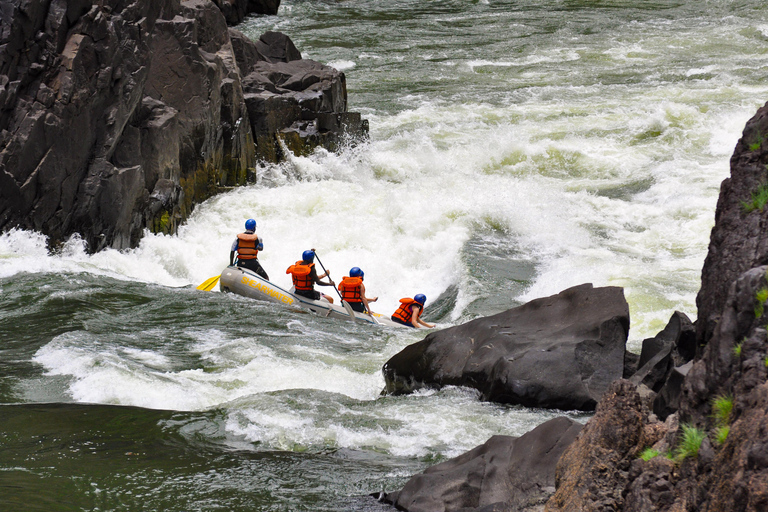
738	242
504	473
558	352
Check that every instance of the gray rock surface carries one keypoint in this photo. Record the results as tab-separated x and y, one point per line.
504	473
557	352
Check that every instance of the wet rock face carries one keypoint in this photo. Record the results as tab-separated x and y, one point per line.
294	104
102	102
738	242
118	117
556	352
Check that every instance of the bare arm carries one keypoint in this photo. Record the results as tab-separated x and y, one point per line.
416	319
366	300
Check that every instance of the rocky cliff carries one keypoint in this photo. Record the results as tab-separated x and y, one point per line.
116	117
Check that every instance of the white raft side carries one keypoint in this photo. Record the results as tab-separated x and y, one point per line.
244	282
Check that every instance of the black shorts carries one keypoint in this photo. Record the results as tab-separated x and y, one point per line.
253	264
397	320
357	306
310	294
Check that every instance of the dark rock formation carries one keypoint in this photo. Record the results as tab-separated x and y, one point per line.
665	360
557	352
505	473
738	242
235	11
593	472
293	103
116	117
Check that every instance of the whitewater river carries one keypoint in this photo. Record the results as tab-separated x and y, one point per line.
517	149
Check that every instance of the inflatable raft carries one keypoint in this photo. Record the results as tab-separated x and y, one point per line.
242	281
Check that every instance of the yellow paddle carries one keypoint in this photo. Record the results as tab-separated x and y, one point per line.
209	283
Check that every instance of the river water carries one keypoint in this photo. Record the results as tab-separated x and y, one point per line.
517	149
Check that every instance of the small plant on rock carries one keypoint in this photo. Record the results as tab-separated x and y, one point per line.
758	201
722	407
721	434
737	350
648	454
689	443
761	296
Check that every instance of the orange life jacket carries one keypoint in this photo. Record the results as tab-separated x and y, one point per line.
301	274
246	246
351	289
404	312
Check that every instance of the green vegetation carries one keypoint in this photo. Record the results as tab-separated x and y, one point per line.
689	443
648	454
722	407
761	296
755	146
721	434
737	350
758	201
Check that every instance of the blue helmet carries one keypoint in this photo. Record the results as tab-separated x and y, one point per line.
420	298
250	225
308	256
356	272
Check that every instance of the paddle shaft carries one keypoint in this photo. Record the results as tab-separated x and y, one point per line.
344	303
328	276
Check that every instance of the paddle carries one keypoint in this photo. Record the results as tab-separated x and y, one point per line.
209	283
344	303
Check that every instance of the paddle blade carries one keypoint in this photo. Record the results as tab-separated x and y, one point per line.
208	284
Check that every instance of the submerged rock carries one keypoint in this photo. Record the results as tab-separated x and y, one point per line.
558	352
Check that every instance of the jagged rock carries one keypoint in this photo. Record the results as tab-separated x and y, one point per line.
109	99
558	352
592	474
119	116
294	103
667	400
738	242
721	367
504	473
662	354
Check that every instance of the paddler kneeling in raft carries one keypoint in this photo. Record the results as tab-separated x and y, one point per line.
247	246
409	312
352	291
305	277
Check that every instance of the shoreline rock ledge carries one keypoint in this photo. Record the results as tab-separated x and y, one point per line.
558	352
117	117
